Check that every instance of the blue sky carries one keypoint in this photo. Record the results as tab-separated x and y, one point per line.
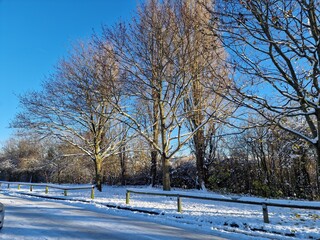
35	34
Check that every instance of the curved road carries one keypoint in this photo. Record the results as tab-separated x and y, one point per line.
44	219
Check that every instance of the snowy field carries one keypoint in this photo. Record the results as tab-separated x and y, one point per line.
232	220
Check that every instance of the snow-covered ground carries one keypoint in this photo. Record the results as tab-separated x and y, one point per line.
39	219
233	220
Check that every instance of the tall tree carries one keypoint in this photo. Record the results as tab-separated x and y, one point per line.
74	105
274	49
203	63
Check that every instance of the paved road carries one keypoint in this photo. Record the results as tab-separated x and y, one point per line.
42	219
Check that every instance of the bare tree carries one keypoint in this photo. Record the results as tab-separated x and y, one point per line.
274	49
152	51
74	106
204	64
22	159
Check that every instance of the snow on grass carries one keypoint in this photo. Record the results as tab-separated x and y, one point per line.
285	223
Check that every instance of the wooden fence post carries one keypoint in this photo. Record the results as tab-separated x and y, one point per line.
265	213
179	204
127	197
92	193
47	190
30	188
8	185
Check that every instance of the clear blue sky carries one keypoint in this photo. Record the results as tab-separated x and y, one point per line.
35	34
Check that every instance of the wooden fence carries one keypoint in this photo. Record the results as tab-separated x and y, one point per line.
263	204
47	186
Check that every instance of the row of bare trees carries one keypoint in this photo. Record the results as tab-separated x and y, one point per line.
262	161
139	79
267	162
25	159
183	75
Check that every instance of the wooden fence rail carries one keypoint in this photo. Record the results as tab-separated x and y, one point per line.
47	186
263	204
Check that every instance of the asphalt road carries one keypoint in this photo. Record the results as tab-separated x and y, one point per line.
29	218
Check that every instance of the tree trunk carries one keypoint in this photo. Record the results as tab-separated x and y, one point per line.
166	173
123	164
318	170
264	163
153	170
155	137
98	169
165	160
200	155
